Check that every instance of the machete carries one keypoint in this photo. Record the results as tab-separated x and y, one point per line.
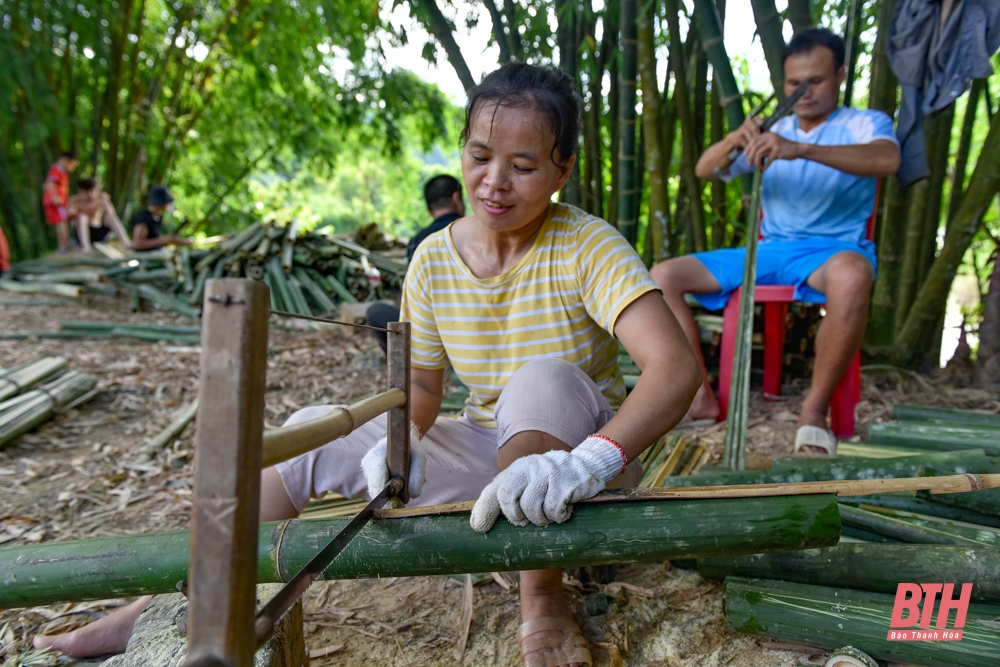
783	110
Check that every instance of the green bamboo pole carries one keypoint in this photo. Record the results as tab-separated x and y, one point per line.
37	406
168	302
972	461
734	453
598	533
324	302
936	438
869	567
926	506
926	413
107	327
70	277
916	531
58	289
833	617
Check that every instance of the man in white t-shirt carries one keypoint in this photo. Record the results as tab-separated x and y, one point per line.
821	165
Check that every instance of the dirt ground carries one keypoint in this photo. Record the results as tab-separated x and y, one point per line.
72	479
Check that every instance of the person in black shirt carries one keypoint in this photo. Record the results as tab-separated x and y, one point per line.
443	195
147	225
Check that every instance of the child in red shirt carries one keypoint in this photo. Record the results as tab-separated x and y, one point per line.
56	194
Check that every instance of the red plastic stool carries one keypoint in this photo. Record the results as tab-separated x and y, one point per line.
776	299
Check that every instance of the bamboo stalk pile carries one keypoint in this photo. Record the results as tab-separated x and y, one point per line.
886	539
14	381
308	272
831	617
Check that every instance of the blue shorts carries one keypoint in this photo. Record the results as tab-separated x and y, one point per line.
778	263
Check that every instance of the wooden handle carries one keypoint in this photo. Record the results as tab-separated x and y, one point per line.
398	450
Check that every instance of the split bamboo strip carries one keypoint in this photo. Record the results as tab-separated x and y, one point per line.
927	507
68	335
290	441
59	289
734	452
443	543
145	334
921	413
869	567
15	381
834	617
936	438
904	530
868	450
169	434
952	484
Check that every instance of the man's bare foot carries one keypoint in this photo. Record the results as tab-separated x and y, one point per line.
704	405
105	636
542	597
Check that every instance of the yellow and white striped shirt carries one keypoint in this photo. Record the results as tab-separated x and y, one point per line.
560	301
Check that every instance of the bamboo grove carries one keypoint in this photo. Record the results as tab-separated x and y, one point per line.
135	120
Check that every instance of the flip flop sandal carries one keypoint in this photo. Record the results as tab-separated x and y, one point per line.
541	645
814	436
850	657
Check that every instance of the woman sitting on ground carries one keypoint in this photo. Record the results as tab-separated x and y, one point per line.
525	299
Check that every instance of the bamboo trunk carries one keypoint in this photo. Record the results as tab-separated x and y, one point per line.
891	250
434	544
628	200
903	528
710	24
768	21
834	617
932	297
657	164
973	461
869	567
944	416
800	14
59	289
937	438
925	506
692	189
964	145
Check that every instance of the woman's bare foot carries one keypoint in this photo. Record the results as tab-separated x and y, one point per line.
105	636
542	597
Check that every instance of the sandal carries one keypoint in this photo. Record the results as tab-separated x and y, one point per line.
541	647
814	436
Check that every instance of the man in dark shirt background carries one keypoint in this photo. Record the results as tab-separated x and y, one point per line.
147	225
443	195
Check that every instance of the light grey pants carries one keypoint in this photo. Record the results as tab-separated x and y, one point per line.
548	395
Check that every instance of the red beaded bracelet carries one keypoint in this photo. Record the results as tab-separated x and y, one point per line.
617	446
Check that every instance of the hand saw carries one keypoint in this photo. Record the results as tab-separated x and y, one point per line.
287	596
783	110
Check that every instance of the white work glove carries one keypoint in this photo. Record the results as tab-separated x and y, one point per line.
541	488
377	470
